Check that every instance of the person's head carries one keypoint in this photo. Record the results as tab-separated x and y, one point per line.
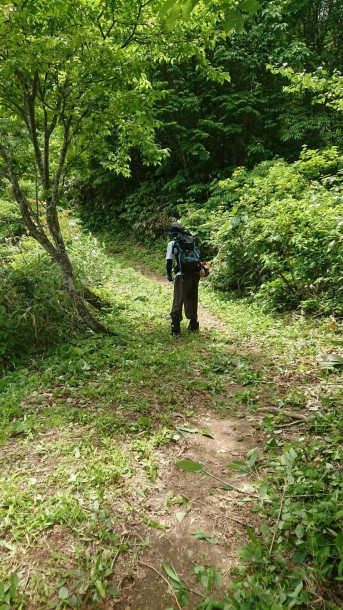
175	229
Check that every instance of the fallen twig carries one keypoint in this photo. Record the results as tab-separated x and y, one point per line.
147	565
118	551
241	491
290	414
293	423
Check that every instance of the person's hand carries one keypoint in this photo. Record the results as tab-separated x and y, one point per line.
169	278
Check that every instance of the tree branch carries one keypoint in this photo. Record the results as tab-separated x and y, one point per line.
130	37
31	97
34	230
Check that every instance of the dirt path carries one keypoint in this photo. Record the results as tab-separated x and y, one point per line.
191	502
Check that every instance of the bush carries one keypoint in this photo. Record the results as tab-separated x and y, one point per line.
36	312
11	224
146	213
278	231
33	308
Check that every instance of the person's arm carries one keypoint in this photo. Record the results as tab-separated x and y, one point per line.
169	266
169	261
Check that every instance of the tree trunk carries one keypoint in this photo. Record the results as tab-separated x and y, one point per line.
56	248
93	299
67	273
80	305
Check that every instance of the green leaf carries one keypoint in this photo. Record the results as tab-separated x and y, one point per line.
144	421
300	530
230	22
17	427
252	535
7	545
100	587
297	590
73	602
264	491
199	535
252	457
185	431
187	9
152	523
331	360
207	433
190	466
235	465
63	593
234	602
165	7
239	22
139	491
250	6
171	573
299	557
251	552
172	17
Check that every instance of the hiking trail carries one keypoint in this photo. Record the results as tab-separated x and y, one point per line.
221	514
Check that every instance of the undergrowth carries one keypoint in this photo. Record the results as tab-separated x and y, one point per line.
83	427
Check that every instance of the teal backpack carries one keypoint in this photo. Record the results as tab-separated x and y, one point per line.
186	254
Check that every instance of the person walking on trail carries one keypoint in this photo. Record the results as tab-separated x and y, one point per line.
181	251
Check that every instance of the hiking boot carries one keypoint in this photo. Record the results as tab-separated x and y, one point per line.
175	328
193	326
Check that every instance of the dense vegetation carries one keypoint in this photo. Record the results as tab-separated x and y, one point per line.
116	119
254	170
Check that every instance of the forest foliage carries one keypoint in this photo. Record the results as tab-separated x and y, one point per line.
218	133
254	166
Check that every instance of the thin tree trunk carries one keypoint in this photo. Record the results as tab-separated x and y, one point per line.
70	285
56	250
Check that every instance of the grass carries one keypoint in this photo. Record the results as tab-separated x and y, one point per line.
83	427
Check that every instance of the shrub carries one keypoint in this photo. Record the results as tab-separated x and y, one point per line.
10	222
278	231
33	308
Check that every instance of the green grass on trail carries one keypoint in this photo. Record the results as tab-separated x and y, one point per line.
82	427
81	381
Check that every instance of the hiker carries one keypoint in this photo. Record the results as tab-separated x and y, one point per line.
182	250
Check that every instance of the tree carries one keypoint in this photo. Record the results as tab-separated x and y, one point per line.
59	65
71	72
326	88
231	11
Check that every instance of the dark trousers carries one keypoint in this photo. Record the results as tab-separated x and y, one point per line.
185	293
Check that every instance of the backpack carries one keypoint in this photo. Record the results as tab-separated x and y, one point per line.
186	254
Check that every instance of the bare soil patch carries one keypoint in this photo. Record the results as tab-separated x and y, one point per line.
209	509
